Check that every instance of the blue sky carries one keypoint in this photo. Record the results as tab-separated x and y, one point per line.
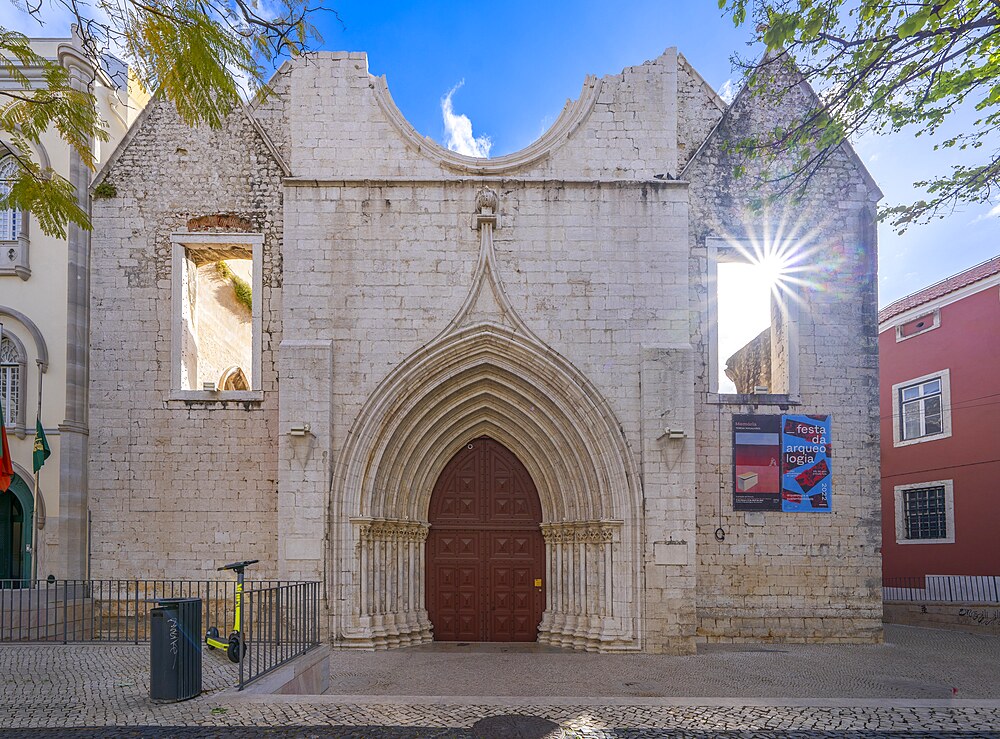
521	61
518	63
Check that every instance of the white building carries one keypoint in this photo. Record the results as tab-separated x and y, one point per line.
45	312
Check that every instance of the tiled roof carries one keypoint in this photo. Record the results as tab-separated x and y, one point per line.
939	289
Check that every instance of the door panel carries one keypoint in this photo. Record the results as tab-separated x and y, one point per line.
6	536
485	549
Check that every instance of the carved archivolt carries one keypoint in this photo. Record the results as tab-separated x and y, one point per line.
488	380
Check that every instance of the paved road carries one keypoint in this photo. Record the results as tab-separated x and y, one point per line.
904	688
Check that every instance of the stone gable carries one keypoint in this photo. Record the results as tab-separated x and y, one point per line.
178	485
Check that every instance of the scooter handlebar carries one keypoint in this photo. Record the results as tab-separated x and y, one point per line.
239	565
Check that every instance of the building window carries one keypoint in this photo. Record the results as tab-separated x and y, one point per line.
925	513
9	217
13	225
752	321
917	326
921	409
10	382
8	223
217	317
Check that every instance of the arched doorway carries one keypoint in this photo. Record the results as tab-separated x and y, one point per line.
485	551
15	534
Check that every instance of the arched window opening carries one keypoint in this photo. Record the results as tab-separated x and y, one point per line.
234	379
10	381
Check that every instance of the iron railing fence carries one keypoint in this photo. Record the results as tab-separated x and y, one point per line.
107	610
979	589
280	623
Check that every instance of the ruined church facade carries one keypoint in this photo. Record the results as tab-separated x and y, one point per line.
476	398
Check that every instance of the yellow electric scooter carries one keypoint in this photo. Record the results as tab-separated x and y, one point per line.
232	646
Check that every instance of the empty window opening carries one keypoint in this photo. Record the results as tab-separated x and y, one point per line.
752	321
217	308
217	291
744	327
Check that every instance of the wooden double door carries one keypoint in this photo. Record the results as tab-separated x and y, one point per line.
485	552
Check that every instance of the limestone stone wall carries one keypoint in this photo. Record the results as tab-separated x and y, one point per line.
414	299
792	576
381	256
699	111
178	487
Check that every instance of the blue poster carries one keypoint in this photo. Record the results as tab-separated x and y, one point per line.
806	470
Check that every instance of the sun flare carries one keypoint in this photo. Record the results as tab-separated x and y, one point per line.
760	280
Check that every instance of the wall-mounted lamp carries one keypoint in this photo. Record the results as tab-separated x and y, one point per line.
209	387
673	434
760	390
299	430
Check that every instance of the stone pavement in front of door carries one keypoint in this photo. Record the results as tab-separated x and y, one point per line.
921	682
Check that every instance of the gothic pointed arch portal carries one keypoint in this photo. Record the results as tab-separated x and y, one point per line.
485	551
487	380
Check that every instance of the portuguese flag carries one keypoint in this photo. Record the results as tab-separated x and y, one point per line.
41	451
6	464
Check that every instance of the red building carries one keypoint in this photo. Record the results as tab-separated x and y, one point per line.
939	385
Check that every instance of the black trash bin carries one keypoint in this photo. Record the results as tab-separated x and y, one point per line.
175	649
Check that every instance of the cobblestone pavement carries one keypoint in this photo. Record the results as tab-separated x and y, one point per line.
912	663
871	691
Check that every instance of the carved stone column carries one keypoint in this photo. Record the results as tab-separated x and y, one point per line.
389	562
582	562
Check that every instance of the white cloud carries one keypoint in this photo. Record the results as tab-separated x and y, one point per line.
993	212
728	91
458	130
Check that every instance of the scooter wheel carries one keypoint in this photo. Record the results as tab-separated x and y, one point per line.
212	633
234	651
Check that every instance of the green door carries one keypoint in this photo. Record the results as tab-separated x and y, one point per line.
15	534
